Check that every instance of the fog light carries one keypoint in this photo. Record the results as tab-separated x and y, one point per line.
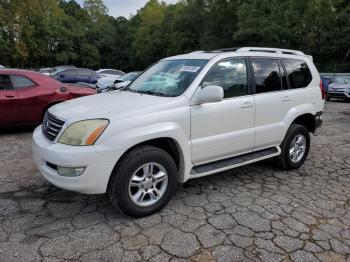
70	171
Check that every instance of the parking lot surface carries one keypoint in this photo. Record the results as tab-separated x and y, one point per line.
257	212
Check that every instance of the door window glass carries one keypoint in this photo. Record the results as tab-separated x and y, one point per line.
20	82
231	75
5	82
299	74
267	75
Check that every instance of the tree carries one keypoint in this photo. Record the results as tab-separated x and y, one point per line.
90	56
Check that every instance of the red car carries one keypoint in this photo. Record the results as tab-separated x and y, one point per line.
25	96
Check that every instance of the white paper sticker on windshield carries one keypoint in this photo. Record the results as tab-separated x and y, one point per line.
192	69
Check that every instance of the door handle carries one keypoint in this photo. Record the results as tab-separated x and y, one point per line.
247	105
9	96
286	99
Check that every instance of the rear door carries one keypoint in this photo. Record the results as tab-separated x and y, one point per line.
31	101
272	99
8	102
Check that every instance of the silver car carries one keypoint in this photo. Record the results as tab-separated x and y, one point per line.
340	88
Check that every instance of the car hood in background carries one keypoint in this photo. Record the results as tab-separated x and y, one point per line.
106	81
335	86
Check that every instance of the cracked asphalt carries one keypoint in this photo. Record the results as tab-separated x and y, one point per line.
253	213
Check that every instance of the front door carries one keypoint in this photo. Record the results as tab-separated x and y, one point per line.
224	129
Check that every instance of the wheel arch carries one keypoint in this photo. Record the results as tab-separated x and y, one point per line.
307	120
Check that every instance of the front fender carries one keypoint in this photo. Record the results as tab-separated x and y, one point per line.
127	139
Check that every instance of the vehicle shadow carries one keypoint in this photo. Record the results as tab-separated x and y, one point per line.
17	129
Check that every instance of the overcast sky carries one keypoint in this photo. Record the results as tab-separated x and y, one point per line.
125	7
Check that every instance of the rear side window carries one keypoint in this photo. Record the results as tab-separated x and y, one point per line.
5	82
267	75
20	82
299	74
231	75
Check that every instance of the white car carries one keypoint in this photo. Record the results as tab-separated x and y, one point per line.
110	73
105	84
185	117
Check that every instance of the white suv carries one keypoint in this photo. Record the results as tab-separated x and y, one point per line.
185	117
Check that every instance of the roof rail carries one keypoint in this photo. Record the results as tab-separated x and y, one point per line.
230	49
270	50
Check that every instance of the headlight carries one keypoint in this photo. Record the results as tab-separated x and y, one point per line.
83	133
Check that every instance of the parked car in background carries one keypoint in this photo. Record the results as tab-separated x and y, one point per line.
75	75
1	66
46	71
185	117
105	84
56	69
325	83
110	73
340	88
26	95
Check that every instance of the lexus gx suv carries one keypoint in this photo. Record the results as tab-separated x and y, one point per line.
185	117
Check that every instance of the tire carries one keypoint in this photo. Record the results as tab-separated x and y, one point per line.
284	160
133	167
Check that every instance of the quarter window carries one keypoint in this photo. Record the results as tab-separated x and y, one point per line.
267	75
20	82
231	75
5	82
299	74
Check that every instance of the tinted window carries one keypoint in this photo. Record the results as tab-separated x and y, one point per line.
21	82
231	75
85	72
266	74
112	72
299	74
5	82
68	72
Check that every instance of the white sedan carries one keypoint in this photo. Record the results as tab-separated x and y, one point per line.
110	73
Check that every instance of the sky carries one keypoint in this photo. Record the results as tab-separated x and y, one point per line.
125	7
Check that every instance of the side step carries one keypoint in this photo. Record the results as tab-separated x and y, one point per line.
228	163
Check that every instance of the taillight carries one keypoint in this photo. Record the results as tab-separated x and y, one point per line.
323	91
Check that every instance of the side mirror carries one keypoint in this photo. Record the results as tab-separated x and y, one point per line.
210	94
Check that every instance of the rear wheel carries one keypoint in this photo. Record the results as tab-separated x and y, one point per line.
294	148
143	182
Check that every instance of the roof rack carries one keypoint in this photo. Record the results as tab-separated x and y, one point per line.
270	50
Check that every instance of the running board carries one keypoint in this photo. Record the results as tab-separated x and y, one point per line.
232	162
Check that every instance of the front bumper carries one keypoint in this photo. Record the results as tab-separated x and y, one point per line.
99	161
339	94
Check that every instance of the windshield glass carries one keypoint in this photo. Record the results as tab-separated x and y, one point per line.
129	76
342	80
168	78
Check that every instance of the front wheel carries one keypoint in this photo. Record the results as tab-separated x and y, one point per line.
294	148
143	182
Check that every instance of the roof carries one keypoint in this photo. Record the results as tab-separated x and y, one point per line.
246	51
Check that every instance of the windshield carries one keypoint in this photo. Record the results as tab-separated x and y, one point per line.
129	76
168	78
342	80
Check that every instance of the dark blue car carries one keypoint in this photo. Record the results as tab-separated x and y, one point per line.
75	75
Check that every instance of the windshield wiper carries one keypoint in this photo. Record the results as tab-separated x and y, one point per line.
153	93
127	88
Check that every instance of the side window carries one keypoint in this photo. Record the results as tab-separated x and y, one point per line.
299	74
231	75
20	82
5	82
267	75
85	72
68	72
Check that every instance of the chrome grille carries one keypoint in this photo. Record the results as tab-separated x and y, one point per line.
51	126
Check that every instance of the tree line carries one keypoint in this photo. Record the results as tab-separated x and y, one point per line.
40	33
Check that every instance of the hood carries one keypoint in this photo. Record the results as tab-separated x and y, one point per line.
107	81
111	105
339	86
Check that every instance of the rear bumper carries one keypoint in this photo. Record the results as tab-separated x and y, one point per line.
318	119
